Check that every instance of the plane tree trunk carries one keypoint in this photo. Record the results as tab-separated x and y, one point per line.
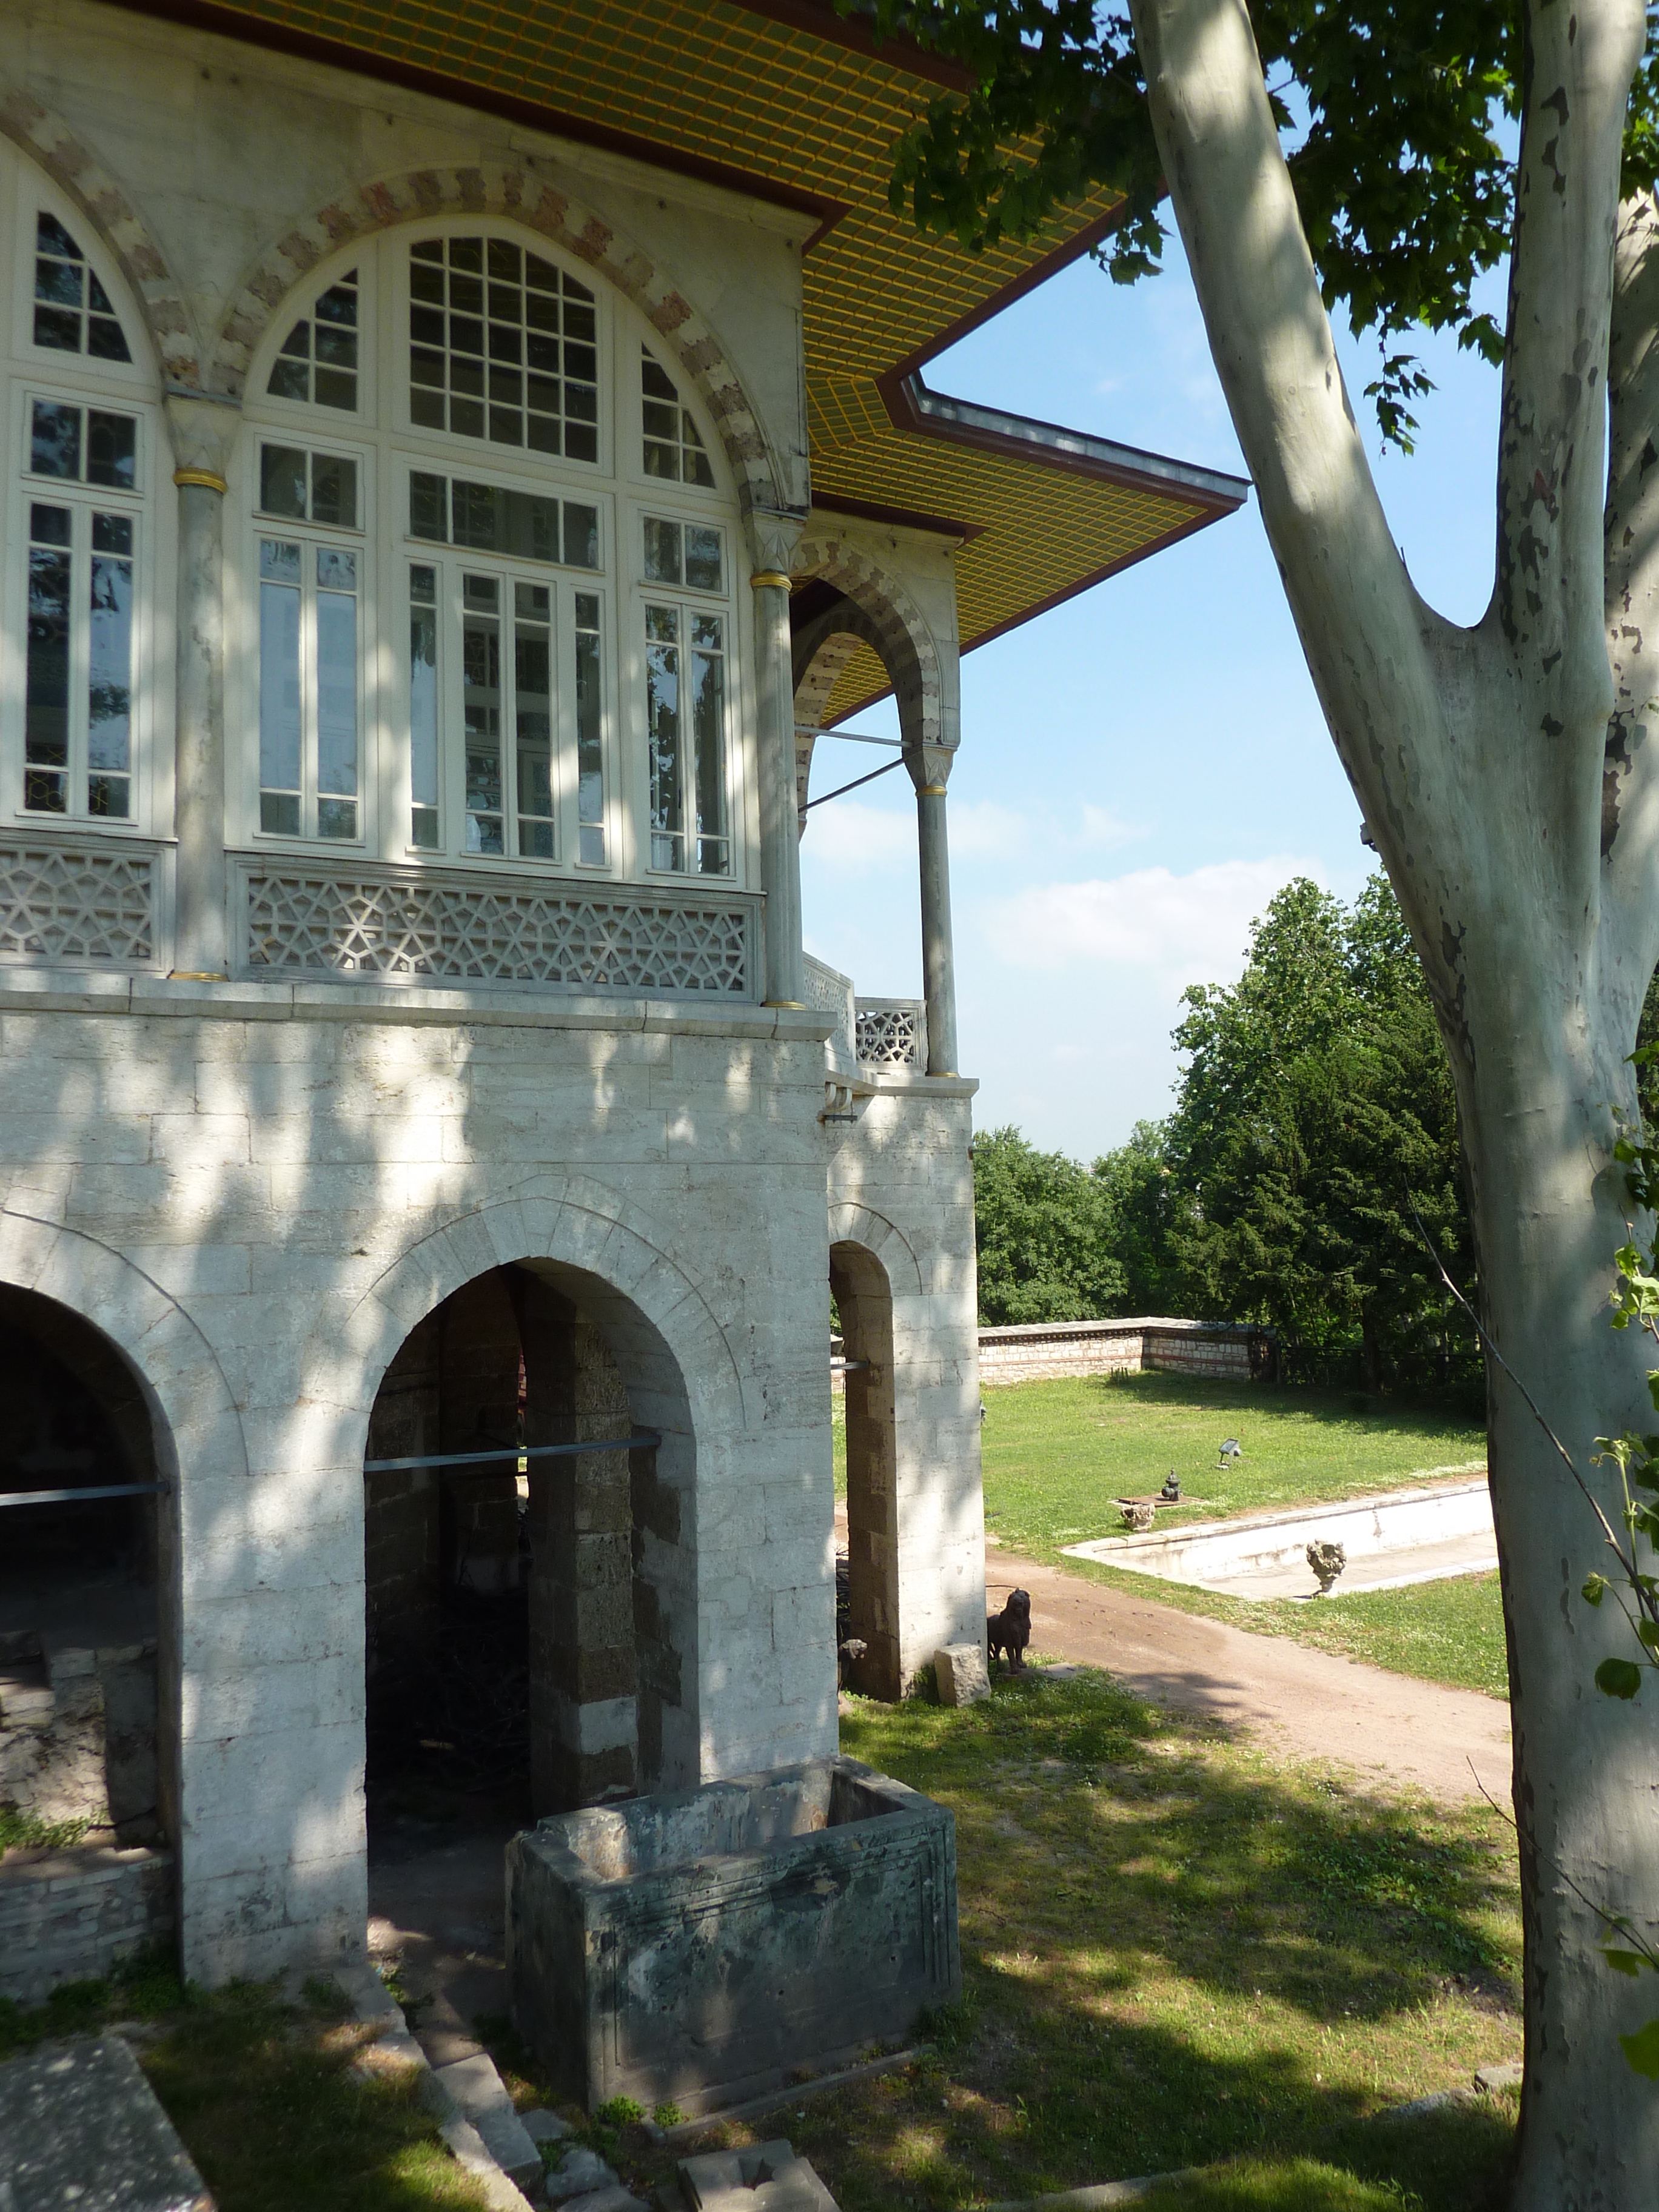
1510	779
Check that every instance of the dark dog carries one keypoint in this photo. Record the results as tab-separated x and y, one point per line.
1010	1631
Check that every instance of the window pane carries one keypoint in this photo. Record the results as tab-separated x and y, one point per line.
702	558
663	737
707	675
662	551
334	489
279	688
282	482
581	536
111	449
109	672
428	507
532	703
481	694
590	752
493	321
337	704
63	285
46	680
424	707
55	440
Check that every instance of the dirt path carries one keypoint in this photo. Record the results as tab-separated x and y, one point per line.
1389	1729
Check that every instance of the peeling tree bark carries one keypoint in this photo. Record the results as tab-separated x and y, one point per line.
1510	773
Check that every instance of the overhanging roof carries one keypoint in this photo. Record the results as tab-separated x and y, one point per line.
787	101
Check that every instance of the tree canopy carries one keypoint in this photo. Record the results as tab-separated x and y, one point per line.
1393	114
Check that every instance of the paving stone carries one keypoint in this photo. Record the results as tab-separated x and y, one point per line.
544	2127
614	2199
80	2125
580	2172
767	2178
477	2089
1501	2077
961	1674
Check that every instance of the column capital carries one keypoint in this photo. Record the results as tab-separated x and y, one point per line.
204	432
930	767
773	534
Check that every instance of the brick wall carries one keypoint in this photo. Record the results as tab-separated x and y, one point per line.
71	1915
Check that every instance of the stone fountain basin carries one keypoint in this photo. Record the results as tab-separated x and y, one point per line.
700	1947
1421	1534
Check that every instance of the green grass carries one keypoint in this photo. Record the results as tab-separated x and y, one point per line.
1057	1456
263	2094
1176	1955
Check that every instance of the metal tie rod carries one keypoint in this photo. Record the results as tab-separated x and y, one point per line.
646	1438
852	736
79	1497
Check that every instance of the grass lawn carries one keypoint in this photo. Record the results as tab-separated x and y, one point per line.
1058	1456
263	2093
1175	1954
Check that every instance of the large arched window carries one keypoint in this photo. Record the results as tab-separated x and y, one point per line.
487	613
78	713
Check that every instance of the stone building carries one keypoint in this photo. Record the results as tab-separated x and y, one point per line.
458	467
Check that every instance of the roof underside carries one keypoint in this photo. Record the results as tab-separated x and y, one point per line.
784	99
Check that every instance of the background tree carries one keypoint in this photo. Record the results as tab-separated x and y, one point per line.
1316	1125
1507	771
1044	1229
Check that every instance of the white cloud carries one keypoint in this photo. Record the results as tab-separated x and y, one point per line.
854	837
1185	929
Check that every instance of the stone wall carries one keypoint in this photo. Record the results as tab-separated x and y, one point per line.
71	1915
1222	1352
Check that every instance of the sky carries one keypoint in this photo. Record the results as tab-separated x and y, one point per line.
1144	767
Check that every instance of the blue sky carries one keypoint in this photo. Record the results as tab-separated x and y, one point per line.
1142	768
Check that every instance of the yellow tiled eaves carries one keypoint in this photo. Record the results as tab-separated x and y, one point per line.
784	98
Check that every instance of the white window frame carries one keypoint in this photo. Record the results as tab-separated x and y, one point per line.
83	500
242	601
689	602
34	196
301	306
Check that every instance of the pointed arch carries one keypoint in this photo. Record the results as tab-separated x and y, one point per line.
884	616
492	190
46	140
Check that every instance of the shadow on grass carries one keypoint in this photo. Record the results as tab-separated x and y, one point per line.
1362	1411
1173	1955
263	2094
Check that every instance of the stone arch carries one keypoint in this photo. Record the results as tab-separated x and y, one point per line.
883	614
851	1223
197	1421
46	139
512	194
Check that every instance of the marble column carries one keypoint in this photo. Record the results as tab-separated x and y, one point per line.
204	432
929	766
773	538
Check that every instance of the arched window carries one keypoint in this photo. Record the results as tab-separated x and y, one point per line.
522	543
77	721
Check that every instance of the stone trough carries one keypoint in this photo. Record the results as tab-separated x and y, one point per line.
699	1947
1404	1536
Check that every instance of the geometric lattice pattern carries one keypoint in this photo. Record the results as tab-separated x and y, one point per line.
892	1033
58	904
411	926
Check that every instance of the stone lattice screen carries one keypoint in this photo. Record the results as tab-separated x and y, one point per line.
892	1033
427	929
77	903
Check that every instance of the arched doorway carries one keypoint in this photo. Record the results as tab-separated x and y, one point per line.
79	1621
864	1299
530	1603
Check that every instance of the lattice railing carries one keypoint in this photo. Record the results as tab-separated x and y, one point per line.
428	928
77	903
892	1033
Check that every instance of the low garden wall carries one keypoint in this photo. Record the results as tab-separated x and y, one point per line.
1224	1351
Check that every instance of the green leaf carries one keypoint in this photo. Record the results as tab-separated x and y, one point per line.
1642	2049
1625	1962
1619	1678
1649	1632
1594	1590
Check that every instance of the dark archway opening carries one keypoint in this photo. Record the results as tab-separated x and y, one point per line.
864	1300
79	1612
520	1647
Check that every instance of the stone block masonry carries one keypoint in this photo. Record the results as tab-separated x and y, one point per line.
74	1916
1218	1352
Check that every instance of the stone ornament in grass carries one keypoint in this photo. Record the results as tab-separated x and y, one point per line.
1138	1514
1328	1561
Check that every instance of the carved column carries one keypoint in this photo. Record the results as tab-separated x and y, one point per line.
929	767
204	432
773	538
